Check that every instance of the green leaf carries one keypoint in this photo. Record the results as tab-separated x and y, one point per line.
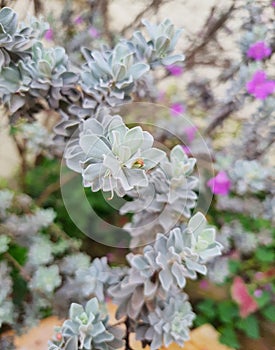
45	68
234	266
265	254
227	311
19	253
250	326
8	19
229	337
200	320
263	299
207	308
269	312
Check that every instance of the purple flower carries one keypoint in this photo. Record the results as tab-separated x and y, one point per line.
175	70
220	184
49	35
273	3
187	150
204	284
258	51
93	32
177	108
111	257
259	86
258	293
268	287
190	133
78	20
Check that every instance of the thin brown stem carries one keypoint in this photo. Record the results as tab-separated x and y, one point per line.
220	117
21	149
16	264
38	7
155	4
104	4
54	187
119	323
212	26
127	335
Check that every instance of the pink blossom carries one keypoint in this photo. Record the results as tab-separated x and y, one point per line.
259	275
186	149
49	35
78	20
93	32
108	299
220	184
177	108
259	86
258	51
273	3
111	257
240	295
190	133
204	284
175	70
234	255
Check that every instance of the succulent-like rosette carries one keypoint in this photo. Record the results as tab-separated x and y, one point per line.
169	322
168	199
111	74
162	41
45	74
16	41
87	328
113	157
163	267
180	255
95	279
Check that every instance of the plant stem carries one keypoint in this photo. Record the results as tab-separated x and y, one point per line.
154	5
54	187
16	264
24	166
118	323
127	335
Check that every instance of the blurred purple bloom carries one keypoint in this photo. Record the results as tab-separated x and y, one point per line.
93	32
78	20
190	133
268	287
258	51
204	284
259	86
177	108
258	293
175	70
220	184
49	35
273	3
186	149
111	257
